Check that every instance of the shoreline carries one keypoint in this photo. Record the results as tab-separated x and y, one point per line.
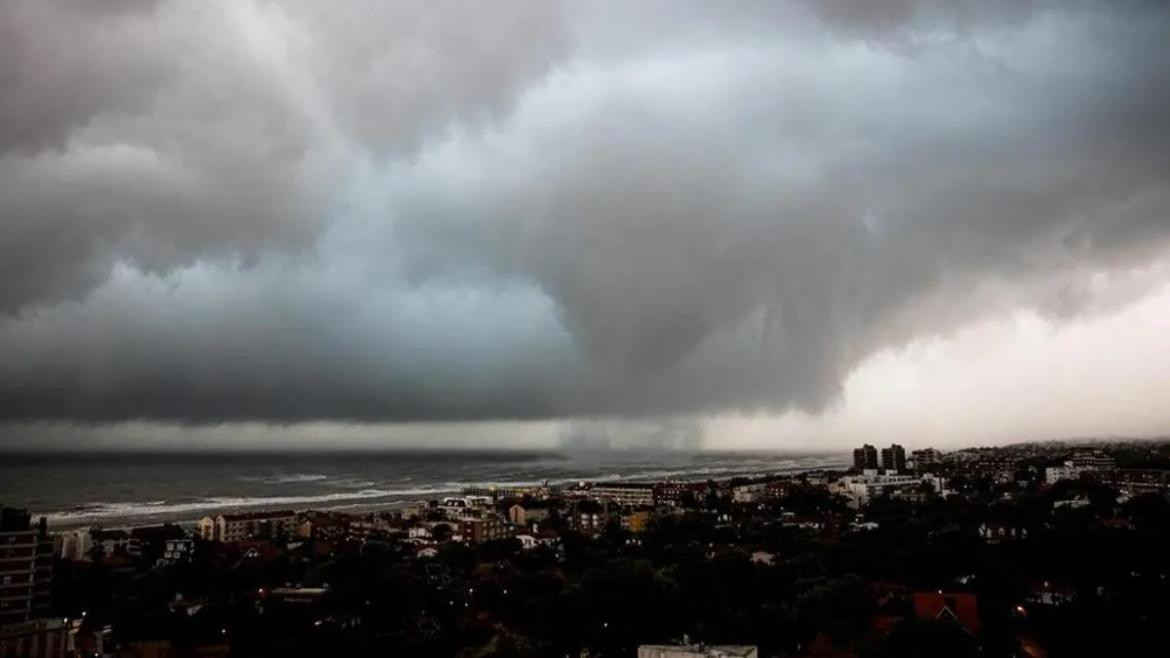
364	501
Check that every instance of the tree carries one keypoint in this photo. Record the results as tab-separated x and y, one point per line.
441	532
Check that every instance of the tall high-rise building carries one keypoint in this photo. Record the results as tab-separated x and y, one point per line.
925	458
894	458
26	567
865	457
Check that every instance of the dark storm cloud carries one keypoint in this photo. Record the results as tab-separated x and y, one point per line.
413	212
161	133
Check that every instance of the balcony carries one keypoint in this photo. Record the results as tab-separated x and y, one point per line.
13	556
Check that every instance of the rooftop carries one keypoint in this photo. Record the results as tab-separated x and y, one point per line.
257	516
708	651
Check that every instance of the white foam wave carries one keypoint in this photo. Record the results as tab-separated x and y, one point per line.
108	510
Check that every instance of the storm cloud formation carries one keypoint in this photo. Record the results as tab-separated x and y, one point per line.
246	211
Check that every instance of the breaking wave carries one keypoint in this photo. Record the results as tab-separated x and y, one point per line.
188	510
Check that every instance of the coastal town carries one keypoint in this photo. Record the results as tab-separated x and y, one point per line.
1028	550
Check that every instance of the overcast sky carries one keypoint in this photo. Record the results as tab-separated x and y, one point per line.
786	224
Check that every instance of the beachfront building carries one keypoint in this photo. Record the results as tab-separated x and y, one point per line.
522	515
177	550
325	526
925	458
457	507
489	527
860	489
1054	474
150	542
39	638
894	459
82	544
633	494
113	541
248	525
1136	481
76	545
1091	459
697	651
415	510
865	458
26	567
749	493
674	493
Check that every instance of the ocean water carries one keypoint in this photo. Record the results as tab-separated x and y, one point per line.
113	489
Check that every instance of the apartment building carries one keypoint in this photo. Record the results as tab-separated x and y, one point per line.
26	567
248	525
